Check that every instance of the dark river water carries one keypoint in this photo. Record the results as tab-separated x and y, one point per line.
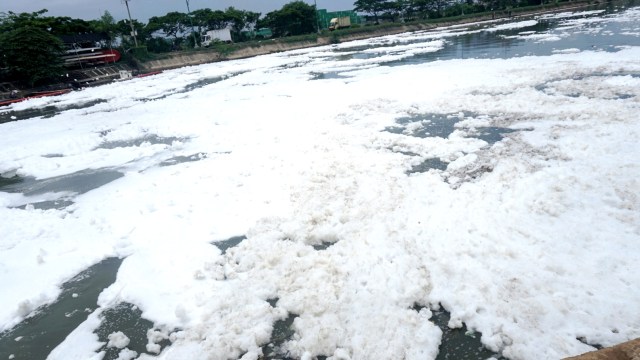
35	337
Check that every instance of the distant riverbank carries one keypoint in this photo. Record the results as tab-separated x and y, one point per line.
154	62
145	63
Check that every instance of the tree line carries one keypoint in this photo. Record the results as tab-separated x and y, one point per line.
31	46
411	10
31	49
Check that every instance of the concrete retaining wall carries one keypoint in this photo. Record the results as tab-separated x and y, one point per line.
207	56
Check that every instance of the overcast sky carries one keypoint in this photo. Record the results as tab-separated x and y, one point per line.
144	9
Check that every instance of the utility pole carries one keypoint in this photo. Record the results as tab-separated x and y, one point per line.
195	41
315	4
133	30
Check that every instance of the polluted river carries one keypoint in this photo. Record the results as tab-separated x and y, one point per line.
468	192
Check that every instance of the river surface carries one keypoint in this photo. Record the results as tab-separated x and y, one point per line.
543	37
45	328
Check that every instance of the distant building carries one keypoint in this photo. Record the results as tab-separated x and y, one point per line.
324	17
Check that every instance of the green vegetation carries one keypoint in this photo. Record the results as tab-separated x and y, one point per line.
32	54
295	18
373	7
410	10
30	46
53	25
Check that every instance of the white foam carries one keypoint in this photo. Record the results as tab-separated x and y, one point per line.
523	241
118	340
512	25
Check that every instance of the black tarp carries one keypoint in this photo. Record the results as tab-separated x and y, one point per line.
83	38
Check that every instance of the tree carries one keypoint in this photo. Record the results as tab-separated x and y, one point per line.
419	8
295	18
64	25
373	7
171	24
440	6
106	24
251	19
208	19
12	21
235	19
123	28
393	10
159	45
32	54
240	20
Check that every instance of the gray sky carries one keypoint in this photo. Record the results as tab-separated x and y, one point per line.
144	9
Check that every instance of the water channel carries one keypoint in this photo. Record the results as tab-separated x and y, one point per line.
36	336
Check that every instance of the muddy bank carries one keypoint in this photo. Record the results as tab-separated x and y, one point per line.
629	350
176	60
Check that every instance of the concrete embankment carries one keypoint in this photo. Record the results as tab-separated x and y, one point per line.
176	60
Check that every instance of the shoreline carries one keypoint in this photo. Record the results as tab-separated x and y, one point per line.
156	63
199	57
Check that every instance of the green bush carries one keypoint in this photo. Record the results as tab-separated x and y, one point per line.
32	54
140	52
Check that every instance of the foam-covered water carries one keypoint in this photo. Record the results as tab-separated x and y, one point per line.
377	183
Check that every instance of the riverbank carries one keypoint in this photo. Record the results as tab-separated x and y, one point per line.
629	350
483	177
250	49
142	63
